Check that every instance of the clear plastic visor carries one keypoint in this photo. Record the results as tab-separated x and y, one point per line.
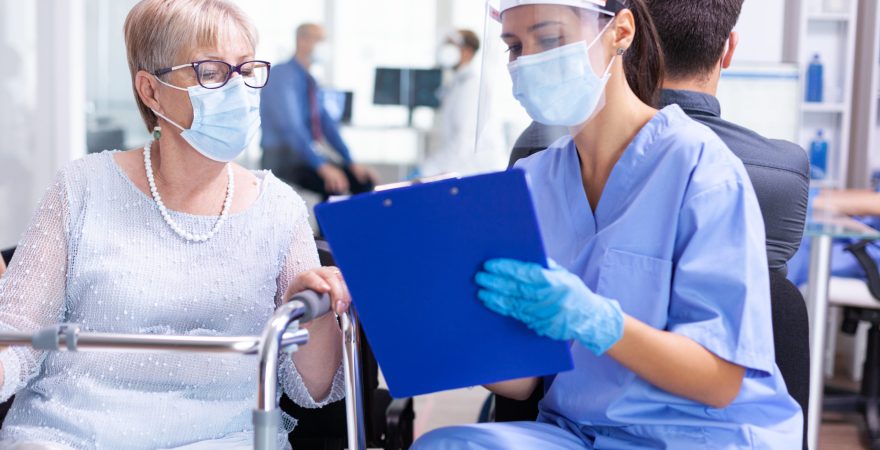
543	73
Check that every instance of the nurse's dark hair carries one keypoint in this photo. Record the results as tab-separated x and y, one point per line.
693	33
643	61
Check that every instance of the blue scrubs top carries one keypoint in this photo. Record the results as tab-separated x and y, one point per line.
677	238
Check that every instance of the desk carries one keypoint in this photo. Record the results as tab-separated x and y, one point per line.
822	228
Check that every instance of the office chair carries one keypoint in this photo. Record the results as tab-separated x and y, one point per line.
790	339
856	310
388	422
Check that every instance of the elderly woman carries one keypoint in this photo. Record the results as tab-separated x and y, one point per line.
171	238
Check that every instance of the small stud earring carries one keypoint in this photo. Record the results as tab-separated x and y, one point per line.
157	132
621	51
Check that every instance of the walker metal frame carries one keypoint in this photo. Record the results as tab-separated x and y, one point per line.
282	333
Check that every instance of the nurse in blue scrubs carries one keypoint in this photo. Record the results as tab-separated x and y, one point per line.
658	275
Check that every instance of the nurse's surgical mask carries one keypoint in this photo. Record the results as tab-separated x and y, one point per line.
225	120
559	87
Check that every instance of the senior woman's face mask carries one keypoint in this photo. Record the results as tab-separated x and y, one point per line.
225	120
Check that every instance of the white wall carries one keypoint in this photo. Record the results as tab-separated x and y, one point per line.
18	40
277	21
365	34
761	29
41	103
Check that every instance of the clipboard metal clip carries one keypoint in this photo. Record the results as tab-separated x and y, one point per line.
417	181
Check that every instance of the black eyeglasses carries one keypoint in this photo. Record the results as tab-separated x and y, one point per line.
213	74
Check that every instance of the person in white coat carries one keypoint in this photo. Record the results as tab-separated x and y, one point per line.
453	138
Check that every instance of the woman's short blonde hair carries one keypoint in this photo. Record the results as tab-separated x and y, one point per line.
165	33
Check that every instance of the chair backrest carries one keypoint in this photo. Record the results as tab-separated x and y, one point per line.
791	339
536	138
7	255
860	251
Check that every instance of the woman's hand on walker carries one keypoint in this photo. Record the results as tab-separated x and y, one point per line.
323	280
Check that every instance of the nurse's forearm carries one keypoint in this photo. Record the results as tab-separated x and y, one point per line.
677	364
520	389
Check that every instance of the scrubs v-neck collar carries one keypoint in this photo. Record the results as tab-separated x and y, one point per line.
584	221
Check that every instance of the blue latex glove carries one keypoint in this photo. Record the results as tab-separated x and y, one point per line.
552	302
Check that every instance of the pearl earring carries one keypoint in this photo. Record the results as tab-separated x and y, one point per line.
157	132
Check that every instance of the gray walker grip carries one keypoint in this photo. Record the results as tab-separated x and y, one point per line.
316	304
49	338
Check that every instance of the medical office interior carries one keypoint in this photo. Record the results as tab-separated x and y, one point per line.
391	76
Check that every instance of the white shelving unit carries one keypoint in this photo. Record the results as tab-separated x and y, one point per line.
865	154
814	29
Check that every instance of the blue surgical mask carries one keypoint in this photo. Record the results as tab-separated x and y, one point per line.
559	87
225	120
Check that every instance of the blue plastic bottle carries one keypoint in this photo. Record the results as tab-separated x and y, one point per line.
819	157
815	80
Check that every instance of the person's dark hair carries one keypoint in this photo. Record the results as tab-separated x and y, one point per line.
643	62
469	39
693	33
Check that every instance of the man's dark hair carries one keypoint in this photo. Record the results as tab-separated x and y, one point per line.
693	33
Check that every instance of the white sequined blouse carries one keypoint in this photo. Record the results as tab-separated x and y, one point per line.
99	254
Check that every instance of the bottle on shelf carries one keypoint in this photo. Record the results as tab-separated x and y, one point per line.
815	80
819	157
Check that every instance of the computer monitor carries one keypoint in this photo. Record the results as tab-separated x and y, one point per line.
388	87
407	87
426	84
338	104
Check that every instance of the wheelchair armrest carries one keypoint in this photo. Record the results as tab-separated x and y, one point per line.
7	255
399	417
860	251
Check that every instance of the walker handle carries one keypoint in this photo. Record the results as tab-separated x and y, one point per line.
316	304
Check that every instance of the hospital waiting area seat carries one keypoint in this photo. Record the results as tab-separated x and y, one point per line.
388	422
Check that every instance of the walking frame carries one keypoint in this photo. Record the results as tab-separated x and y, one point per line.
281	334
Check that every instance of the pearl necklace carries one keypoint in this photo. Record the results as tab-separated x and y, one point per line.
230	189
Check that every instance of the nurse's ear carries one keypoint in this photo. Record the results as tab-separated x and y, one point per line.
621	33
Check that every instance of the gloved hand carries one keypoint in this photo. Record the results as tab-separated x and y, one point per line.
552	302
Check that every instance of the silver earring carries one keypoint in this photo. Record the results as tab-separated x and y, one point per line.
620	52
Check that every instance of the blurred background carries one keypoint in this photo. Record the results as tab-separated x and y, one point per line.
66	91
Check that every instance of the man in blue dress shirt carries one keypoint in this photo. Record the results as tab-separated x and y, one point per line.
301	142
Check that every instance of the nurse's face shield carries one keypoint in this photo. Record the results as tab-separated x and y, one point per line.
543	61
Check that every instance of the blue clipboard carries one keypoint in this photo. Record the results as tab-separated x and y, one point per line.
410	255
